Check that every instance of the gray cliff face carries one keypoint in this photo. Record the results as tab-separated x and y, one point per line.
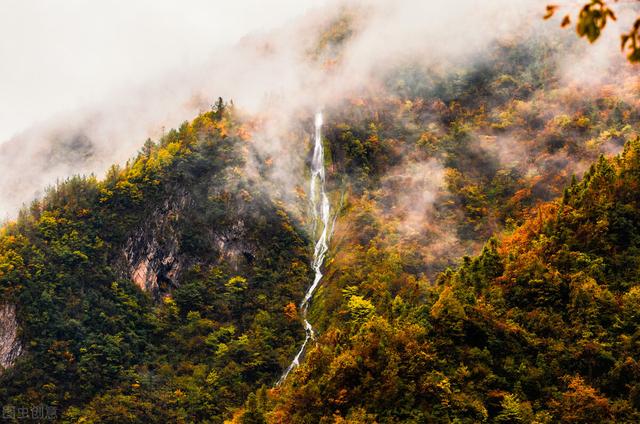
152	252
10	346
154	259
232	247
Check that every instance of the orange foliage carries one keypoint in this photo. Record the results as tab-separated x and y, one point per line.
520	238
291	312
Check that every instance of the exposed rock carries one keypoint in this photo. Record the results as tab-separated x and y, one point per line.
10	346
152	252
153	257
233	247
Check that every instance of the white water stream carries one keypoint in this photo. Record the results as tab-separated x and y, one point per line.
321	214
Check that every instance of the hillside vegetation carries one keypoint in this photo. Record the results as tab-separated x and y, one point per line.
483	266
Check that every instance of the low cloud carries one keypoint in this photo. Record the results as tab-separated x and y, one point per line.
282	70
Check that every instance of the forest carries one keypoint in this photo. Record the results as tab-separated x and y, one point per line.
483	264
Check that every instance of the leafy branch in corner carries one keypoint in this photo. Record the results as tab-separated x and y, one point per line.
593	18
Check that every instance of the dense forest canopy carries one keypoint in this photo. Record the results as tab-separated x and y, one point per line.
483	264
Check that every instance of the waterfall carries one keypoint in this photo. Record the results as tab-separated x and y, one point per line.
321	210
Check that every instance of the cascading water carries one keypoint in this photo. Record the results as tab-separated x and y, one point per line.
321	213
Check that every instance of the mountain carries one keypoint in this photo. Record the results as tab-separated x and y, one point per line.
541	326
482	263
89	270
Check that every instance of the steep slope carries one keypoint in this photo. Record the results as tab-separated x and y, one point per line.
10	345
167	292
452	157
542	326
182	223
529	331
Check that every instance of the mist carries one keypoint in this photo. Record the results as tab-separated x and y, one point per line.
83	84
87	83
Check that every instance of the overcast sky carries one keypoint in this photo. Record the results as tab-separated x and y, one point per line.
58	55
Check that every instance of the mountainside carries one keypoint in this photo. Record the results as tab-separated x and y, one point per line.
482	267
180	220
542	326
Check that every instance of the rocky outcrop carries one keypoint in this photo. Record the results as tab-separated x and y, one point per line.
152	252
232	245
153	257
10	346
156	269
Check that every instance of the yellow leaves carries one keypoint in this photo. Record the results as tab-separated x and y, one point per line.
285	221
360	308
631	154
444	385
83	212
631	305
219	127
582	122
48	220
236	172
173	148
163	158
158	160
171	306
105	195
222	350
49	387
236	284
137	171
213	378
428	140
561	121
373	137
81	256
462	372
343	365
10	260
505	120
204	124
129	188
447	306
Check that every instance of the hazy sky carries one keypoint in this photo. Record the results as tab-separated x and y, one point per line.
58	55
